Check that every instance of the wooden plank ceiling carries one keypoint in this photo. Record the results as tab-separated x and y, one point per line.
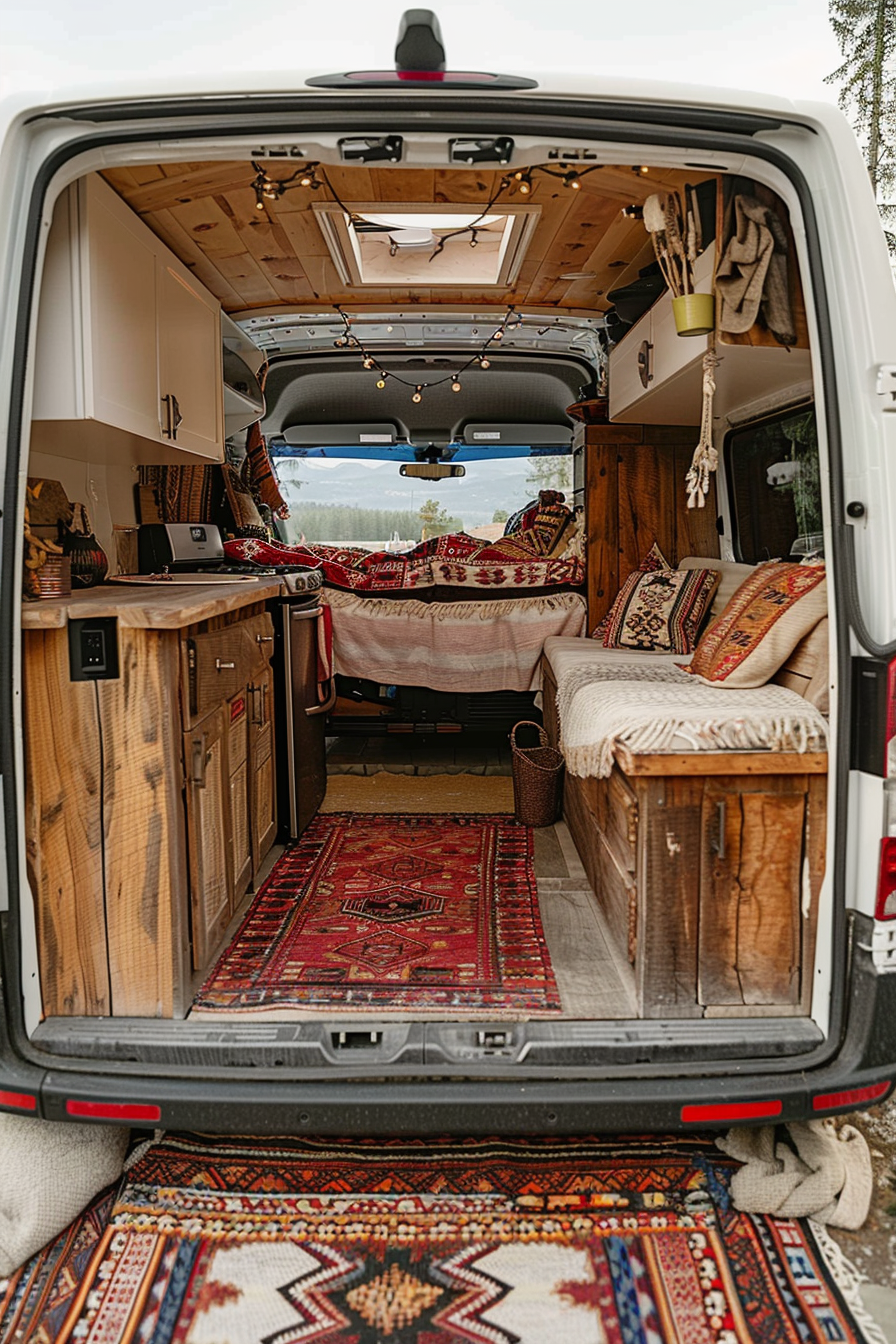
277	258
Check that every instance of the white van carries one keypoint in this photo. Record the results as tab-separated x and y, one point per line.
447	298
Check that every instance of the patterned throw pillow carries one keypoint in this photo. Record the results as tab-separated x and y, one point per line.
761	625
653	560
661	611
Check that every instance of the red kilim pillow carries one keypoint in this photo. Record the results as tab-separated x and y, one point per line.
661	612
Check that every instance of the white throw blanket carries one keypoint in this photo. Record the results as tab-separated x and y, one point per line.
450	646
664	709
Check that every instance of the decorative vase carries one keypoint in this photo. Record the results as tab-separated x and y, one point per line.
694	314
89	564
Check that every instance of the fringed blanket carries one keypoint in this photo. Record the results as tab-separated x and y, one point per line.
662	709
451	646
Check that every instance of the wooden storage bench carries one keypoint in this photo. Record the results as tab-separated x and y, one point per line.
707	867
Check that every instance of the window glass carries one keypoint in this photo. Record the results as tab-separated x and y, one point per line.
365	502
775	488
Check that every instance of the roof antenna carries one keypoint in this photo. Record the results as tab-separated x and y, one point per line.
419	47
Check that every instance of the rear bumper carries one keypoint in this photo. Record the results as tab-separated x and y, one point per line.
405	1106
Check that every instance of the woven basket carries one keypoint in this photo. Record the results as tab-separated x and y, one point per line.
537	779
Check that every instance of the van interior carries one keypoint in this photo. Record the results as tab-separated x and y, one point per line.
448	401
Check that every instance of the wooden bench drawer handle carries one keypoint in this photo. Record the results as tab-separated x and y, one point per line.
719	848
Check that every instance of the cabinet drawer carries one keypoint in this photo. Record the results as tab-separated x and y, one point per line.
218	663
237	718
614	808
618	898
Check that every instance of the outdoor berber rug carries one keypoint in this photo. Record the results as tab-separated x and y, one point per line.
475	1241
402	913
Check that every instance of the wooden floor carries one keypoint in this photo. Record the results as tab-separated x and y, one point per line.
594	981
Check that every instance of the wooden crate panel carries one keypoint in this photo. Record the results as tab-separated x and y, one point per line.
669	845
64	828
750	892
145	865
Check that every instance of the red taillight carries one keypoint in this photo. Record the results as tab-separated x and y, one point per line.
18	1101
854	1096
100	1110
711	1113
885	904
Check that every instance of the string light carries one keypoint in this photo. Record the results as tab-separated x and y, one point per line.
269	188
570	177
511	321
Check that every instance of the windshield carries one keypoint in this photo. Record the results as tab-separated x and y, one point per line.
365	502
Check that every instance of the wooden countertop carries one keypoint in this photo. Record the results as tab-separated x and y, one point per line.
160	607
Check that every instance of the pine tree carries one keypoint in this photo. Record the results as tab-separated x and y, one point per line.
866	33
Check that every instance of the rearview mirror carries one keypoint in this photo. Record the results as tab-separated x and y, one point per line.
432	471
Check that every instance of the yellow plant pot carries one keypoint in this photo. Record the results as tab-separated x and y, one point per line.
694	314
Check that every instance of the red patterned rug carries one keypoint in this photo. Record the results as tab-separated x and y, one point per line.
423	914
479	1241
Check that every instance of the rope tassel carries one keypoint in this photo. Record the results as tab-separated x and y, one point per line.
706	458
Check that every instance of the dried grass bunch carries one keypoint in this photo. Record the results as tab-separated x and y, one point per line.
677	237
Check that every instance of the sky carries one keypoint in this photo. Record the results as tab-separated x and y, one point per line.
775	46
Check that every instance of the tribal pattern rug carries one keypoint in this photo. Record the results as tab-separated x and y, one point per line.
480	1241
424	914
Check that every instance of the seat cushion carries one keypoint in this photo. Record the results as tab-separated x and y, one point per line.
660	611
761	625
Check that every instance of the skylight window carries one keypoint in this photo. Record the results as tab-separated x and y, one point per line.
414	244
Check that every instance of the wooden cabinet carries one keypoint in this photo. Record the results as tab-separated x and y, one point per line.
208	809
262	780
707	867
226	682
708	881
150	798
128	339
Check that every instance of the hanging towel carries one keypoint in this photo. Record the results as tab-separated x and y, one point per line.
752	274
324	652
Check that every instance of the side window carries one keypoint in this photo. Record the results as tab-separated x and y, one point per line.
774	487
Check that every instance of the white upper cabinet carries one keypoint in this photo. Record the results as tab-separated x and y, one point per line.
127	338
191	396
656	376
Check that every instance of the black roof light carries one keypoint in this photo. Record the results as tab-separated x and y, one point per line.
420	63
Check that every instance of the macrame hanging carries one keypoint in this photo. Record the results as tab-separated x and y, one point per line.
706	457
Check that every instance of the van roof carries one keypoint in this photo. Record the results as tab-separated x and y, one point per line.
242	83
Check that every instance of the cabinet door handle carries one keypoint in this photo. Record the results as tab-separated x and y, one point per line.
645	363
223	667
201	757
719	846
173	417
259	696
264	639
